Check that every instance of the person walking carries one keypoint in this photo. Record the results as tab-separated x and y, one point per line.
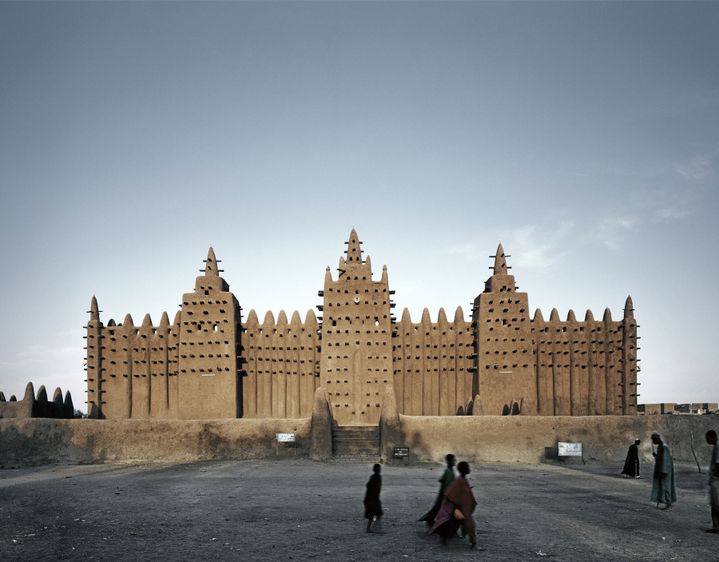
444	482
372	503
711	437
631	464
457	509
663	490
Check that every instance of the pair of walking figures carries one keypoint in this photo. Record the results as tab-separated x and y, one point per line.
453	510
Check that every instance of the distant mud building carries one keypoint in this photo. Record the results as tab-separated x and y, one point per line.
211	363
39	406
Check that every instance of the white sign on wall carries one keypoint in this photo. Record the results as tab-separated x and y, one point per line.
285	437
569	449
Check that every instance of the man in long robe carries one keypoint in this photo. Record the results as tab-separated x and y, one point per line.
631	464
663	490
372	503
444	482
711	437
457	509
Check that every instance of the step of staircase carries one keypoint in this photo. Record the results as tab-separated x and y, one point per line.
356	443
356	459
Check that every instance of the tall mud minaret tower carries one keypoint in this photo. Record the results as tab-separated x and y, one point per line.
209	378
504	344
93	362
356	362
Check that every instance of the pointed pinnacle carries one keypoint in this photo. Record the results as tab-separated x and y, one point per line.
500	261
629	308
211	269
94	312
354	249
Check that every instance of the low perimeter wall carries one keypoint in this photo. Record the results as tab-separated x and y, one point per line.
36	440
474	438
533	439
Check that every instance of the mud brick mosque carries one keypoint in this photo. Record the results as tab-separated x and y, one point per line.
211	362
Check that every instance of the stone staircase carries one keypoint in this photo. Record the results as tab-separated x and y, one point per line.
356	443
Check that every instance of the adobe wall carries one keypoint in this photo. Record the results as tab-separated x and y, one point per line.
586	367
525	438
38	441
132	371
434	372
487	439
37	407
281	366
15	409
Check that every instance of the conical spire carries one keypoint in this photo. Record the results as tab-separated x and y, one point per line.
354	248
252	321
94	312
163	328
68	402
442	317
629	308
211	269
147	321
500	261
269	321
310	320
29	393
41	394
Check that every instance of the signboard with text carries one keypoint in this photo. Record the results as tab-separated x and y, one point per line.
400	452
565	449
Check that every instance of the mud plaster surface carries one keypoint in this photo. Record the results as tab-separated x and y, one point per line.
301	510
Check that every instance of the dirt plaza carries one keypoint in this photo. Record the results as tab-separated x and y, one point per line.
296	509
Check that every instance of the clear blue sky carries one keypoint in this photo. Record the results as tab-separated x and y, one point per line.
584	136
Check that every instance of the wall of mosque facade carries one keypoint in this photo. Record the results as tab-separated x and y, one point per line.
211	364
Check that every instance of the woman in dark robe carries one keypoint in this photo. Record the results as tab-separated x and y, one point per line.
372	503
631	465
457	509
444	482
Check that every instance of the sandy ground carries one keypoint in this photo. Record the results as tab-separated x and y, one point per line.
301	510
